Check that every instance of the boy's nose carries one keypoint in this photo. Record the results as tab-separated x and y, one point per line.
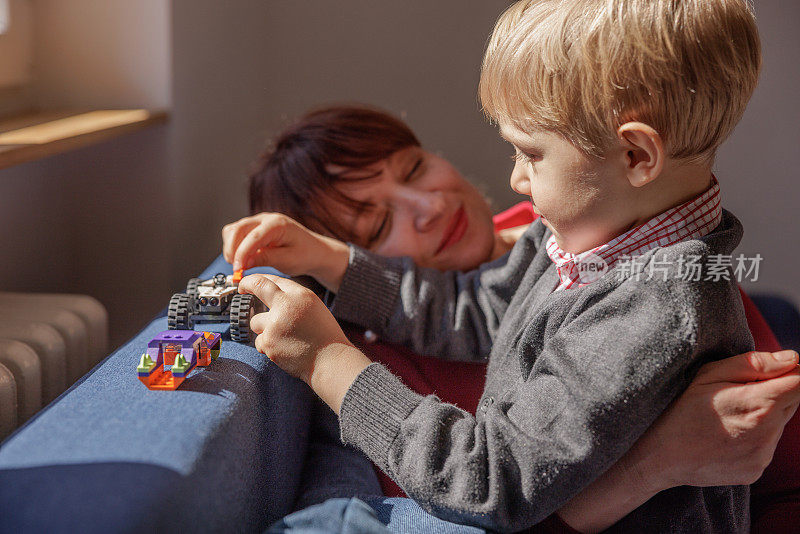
520	182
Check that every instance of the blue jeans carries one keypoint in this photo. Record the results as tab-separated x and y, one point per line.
372	515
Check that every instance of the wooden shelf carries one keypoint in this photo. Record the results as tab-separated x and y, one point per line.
39	135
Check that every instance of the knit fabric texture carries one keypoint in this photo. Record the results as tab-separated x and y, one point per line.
574	378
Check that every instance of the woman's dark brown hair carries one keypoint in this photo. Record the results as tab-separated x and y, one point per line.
293	175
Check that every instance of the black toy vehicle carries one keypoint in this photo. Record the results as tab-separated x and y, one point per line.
213	301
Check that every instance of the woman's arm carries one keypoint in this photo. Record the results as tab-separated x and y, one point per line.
722	431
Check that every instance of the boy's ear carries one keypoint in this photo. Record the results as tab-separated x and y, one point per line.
644	152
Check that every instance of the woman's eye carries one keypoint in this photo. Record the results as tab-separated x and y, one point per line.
414	169
378	233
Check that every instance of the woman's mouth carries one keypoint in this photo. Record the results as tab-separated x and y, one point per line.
455	230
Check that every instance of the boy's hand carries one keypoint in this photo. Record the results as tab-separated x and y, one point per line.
278	241
296	327
301	336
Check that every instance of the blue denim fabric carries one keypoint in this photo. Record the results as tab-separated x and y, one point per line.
333	469
342	515
372	515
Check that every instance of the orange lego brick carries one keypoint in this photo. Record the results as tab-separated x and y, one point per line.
162	380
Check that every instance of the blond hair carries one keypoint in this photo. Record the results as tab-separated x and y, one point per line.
582	68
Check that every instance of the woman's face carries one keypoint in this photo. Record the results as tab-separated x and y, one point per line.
423	208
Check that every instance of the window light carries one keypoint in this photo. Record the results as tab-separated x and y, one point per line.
4	16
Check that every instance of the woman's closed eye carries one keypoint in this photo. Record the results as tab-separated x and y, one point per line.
380	231
414	170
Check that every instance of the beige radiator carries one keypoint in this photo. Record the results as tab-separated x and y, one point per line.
47	342
8	401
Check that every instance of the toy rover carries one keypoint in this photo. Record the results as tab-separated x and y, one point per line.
213	301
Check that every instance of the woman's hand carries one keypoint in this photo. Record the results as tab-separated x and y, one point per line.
722	430
278	241
300	335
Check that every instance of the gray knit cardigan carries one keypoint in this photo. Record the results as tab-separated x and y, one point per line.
574	378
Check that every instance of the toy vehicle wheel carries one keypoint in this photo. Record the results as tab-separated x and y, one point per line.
178	312
191	287
242	310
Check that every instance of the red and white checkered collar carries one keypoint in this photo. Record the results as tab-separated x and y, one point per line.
690	220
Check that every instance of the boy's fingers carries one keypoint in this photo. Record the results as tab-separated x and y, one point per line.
259	322
749	367
285	284
262	287
260	344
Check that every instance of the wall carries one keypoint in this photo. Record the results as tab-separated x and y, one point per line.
243	69
16	57
16	44
756	167
109	53
96	220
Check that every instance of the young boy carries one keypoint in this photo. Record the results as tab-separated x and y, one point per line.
602	312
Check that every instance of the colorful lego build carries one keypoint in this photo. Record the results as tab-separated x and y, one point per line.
213	301
181	349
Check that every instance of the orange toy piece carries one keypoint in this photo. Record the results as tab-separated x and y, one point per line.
237	276
161	379
183	350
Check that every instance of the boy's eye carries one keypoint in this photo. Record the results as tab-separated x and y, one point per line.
522	157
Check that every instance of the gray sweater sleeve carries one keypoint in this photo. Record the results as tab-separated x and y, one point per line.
451	315
582	397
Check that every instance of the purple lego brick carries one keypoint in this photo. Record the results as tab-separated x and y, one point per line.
185	338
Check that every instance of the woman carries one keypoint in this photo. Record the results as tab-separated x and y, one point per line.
360	175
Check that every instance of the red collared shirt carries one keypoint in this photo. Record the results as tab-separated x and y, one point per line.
690	220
